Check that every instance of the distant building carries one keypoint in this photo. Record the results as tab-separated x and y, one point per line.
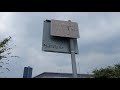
61	75
27	72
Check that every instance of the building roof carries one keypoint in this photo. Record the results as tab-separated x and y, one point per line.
61	75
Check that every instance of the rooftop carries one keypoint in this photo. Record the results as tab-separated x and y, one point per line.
61	75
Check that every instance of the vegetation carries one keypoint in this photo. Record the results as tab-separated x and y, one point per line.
5	52
108	72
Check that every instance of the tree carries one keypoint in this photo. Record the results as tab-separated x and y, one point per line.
108	72
5	51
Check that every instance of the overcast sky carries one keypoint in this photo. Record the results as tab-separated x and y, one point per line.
98	44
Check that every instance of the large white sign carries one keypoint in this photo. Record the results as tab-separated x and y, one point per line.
55	44
64	29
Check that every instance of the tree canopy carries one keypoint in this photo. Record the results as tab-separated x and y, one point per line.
5	52
4	48
108	72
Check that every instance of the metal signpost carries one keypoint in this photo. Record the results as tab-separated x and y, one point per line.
74	68
73	60
61	36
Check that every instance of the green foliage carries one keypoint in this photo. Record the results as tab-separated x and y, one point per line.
108	72
4	48
5	52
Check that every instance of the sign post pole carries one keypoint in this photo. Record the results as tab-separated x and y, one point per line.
73	61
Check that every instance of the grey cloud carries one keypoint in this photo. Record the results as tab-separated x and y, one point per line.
98	45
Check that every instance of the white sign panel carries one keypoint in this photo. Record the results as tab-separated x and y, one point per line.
64	29
55	44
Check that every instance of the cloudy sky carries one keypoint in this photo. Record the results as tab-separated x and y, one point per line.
98	44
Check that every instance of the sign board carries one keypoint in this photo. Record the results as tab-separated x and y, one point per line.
64	29
55	44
